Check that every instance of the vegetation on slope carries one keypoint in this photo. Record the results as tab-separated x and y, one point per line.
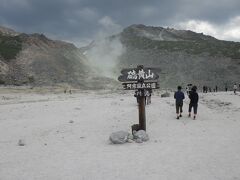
10	46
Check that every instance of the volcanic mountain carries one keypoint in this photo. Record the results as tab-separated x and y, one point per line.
181	56
34	59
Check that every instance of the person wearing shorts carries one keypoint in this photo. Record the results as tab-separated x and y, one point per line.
193	95
179	96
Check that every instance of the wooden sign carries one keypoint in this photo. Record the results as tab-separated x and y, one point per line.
136	74
140	78
144	85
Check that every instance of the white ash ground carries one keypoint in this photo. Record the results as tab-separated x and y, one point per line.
66	137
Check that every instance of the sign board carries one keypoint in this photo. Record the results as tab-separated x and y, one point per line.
144	85
140	78
136	74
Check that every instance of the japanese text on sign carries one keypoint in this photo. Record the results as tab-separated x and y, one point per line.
134	75
149	85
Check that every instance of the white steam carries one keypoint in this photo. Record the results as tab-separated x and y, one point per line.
104	56
104	52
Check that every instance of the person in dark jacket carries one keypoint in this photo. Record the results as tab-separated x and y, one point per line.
179	96
193	102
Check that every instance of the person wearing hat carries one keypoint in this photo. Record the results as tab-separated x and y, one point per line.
193	95
179	96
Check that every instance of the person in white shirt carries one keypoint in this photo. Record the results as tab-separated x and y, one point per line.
235	88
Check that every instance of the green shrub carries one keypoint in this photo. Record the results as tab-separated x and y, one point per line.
31	79
2	82
10	46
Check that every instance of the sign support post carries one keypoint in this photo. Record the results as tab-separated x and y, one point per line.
141	111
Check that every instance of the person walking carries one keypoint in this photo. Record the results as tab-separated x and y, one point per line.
188	88
193	95
179	96
235	88
226	88
136	95
147	97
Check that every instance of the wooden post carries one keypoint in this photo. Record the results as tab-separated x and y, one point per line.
141	109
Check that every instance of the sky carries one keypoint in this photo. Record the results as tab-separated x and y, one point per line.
81	21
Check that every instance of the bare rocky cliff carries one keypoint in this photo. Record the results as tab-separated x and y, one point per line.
34	59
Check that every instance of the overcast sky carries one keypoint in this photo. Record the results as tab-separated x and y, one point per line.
80	21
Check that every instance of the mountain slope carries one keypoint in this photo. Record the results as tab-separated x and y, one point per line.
35	59
183	56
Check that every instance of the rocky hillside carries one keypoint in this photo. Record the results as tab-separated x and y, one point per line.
36	60
183	56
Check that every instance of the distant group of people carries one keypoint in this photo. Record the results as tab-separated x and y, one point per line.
66	90
193	96
209	89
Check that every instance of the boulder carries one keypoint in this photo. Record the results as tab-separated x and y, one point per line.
119	137
138	141
140	136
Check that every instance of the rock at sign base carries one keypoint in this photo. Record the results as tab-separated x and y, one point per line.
130	141
130	136
138	141
140	135
119	137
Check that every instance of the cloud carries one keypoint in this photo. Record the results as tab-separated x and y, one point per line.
86	13
232	29
228	31
75	19
15	3
109	26
148	11
198	26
